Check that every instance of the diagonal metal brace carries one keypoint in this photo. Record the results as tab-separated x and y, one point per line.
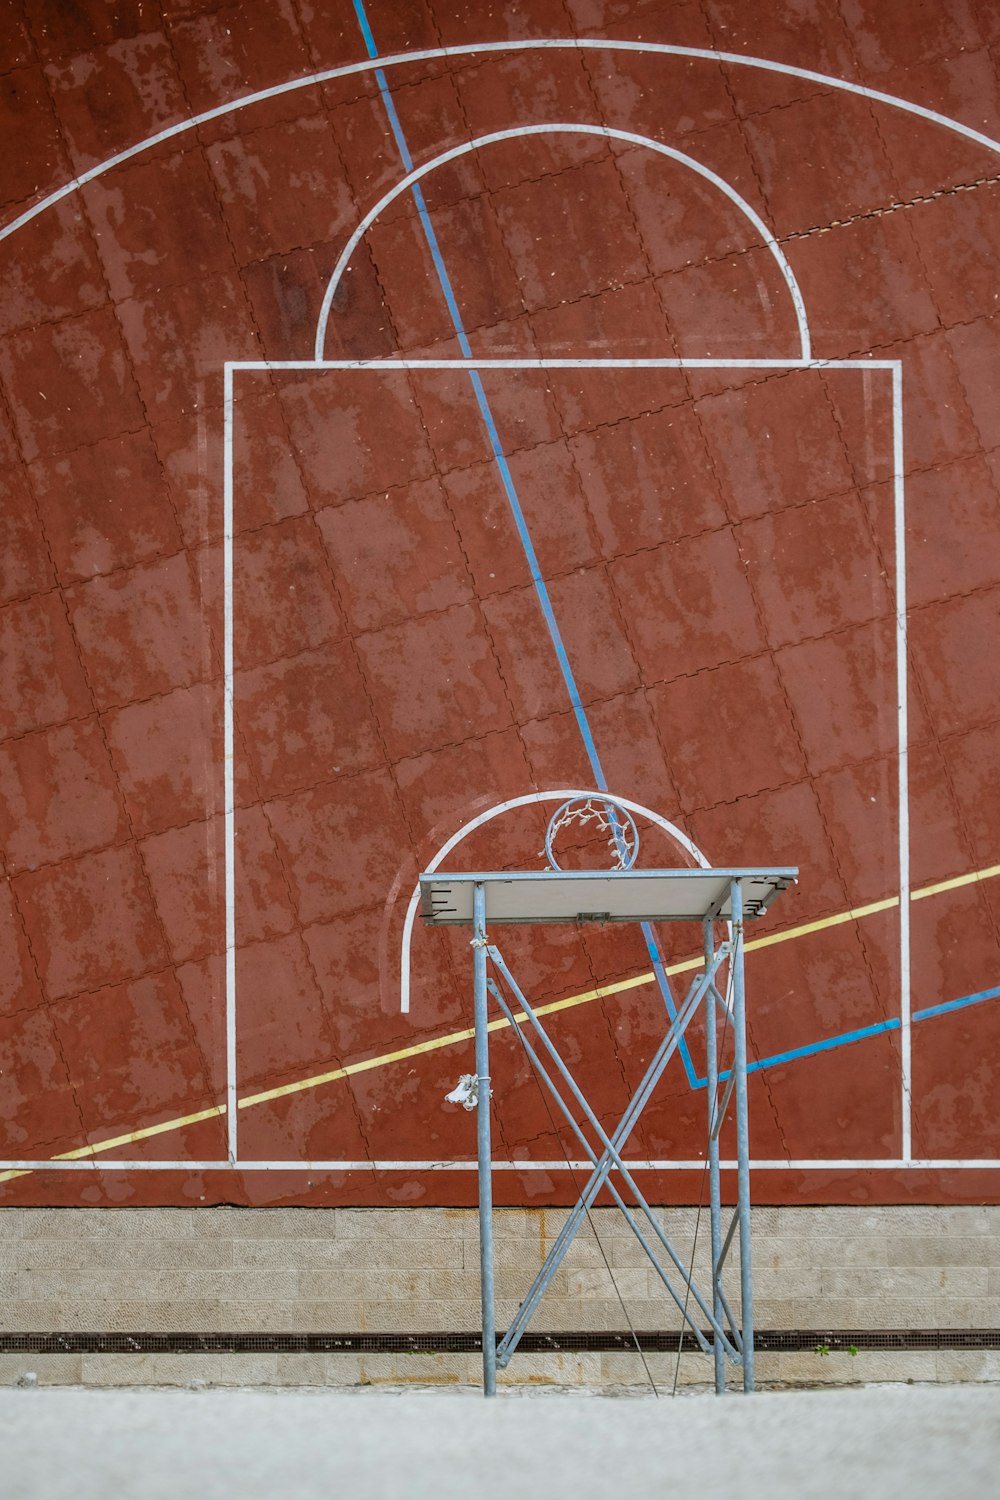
528	1013
640	1200
603	1166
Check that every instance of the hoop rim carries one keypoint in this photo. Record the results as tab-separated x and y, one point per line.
627	854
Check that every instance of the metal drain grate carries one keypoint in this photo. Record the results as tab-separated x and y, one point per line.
766	1340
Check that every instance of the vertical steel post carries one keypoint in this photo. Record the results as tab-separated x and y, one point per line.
484	1150
742	1131
715	1192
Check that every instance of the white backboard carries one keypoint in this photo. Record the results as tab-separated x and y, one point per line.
598	895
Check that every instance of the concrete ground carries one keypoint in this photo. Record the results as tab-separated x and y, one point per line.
924	1443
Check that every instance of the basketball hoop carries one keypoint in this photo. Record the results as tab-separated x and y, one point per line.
608	817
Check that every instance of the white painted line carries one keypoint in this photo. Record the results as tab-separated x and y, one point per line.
476	49
606	132
637	1164
903	786
231	1089
228	753
892	366
476	363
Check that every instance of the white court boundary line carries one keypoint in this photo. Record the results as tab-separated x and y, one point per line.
903	772
637	1164
486	49
552	44
894	368
229	763
233	1161
519	132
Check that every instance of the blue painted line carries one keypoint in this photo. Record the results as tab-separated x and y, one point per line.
425	218
950	1005
828	1044
957	1005
486	413
366	31
394	121
845	1038
537	578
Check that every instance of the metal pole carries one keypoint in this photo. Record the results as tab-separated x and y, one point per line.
742	1131
483	1142
712	1081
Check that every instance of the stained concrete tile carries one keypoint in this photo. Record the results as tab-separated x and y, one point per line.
73	916
58	796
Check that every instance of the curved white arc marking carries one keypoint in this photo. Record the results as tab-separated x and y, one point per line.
494	812
473	49
608	132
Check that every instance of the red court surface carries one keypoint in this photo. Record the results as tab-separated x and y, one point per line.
350	452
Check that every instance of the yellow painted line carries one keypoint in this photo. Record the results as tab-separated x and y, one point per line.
142	1135
454	1038
854	914
684	966
955	883
126	1140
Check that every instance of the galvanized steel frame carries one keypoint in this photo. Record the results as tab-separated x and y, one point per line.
731	1338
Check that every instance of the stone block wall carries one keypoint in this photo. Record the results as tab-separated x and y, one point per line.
417	1271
